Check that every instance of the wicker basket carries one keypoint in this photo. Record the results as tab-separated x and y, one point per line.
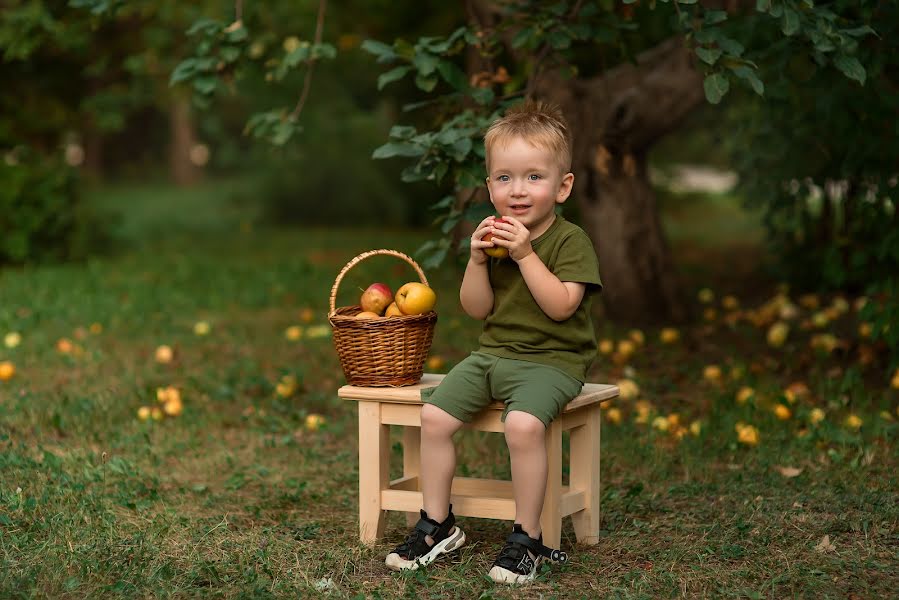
387	352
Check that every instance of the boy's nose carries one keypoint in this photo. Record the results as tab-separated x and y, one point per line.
518	188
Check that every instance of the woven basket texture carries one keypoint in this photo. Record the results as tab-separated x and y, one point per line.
385	352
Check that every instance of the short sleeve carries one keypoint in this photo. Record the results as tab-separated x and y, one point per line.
576	261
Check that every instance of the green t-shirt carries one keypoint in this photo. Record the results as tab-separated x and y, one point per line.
518	328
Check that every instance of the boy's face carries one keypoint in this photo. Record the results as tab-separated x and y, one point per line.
525	182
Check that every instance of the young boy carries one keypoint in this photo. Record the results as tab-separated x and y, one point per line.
536	345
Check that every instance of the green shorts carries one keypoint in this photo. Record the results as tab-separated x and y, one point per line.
530	387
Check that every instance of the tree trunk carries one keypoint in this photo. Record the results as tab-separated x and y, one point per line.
615	120
181	126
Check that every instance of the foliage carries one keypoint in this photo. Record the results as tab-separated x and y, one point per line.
42	216
532	37
817	159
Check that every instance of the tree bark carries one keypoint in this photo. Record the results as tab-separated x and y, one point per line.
183	137
615	119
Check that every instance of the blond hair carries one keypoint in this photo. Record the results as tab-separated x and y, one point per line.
538	123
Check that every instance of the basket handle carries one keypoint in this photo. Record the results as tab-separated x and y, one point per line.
369	254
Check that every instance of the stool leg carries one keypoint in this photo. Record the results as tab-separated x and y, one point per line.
551	517
585	475
412	462
374	464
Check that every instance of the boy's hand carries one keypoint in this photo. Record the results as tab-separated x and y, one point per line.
478	256
513	235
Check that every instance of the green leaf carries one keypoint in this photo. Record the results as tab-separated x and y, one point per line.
712	17
483	96
205	85
384	52
425	63
229	53
392	75
425	84
715	86
452	74
184	71
392	149
558	40
523	37
851	67
751	77
730	46
708	55
790	23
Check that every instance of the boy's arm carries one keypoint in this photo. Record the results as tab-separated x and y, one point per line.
476	294
558	299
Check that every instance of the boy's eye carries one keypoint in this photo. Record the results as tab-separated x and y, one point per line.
503	178
533	177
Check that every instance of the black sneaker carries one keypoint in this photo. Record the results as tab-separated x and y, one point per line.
415	551
521	556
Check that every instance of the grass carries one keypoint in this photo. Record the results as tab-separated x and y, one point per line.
237	498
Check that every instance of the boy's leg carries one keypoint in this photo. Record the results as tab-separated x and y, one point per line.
435	533
438	460
527	451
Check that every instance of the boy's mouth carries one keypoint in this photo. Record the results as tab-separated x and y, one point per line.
519	206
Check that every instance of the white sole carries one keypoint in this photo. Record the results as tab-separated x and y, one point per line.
453	541
501	575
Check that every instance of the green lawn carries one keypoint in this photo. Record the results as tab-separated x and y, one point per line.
237	498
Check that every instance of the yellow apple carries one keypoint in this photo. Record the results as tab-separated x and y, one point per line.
314	422
7	370
393	311
376	298
13	339
367	314
143	413
415	298
164	354
495	251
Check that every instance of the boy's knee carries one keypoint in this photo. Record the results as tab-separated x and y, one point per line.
437	420
522	427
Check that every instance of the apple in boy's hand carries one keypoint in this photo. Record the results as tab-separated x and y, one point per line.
376	298
415	298
495	251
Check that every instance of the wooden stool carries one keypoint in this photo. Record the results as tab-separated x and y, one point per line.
472	497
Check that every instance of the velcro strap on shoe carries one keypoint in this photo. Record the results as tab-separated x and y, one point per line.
427	527
537	548
526	541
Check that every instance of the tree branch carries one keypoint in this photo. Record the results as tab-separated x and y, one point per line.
307	81
238	10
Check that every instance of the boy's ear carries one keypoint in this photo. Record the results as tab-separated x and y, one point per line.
565	188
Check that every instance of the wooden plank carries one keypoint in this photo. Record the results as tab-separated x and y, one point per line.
374	468
591	393
463	506
584	476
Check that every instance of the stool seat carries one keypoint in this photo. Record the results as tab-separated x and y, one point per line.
380	407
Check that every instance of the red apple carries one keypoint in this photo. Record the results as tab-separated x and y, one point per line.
495	251
376	298
415	298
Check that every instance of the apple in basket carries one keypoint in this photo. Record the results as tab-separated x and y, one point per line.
393	311
415	298
376	298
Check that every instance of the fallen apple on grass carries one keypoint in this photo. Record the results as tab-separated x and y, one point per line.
495	251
